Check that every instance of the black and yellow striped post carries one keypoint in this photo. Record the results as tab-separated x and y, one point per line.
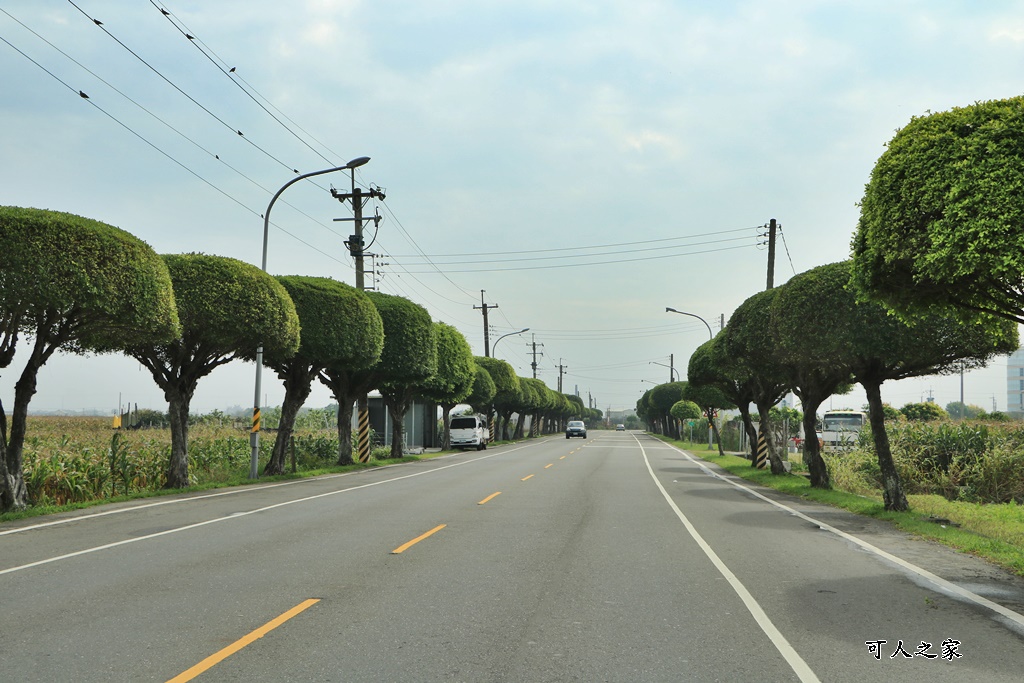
255	421
490	436
761	460
363	437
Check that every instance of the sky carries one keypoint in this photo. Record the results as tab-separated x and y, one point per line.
585	164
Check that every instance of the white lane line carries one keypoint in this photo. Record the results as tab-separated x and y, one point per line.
218	494
939	582
795	661
240	515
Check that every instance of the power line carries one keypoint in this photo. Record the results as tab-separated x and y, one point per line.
190	36
594	246
580	256
164	122
82	95
578	265
176	87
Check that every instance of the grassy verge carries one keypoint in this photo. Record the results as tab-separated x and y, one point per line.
994	532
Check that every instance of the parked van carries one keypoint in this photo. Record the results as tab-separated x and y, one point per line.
469	431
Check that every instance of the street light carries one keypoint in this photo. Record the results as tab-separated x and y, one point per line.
495	344
254	437
673	371
692	315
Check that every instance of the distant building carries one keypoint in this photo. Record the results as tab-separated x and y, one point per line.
1015	382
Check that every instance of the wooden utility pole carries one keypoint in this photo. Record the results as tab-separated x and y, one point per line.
772	227
487	334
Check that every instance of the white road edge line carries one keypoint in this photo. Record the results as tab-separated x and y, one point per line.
941	583
189	499
239	515
795	661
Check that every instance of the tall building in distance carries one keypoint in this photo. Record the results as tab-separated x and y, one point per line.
1015	382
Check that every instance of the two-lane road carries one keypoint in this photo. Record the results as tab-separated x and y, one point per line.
615	559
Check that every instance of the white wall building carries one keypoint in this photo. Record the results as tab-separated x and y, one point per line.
1015	382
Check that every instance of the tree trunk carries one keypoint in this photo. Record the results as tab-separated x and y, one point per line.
518	434
6	483
812	448
298	383
177	410
346	404
748	427
773	455
14	495
504	417
446	425
714	430
398	403
892	489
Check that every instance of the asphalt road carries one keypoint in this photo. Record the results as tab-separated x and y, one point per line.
614	559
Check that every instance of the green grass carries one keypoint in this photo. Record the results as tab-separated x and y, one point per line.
994	532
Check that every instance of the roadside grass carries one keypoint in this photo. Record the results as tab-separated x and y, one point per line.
992	531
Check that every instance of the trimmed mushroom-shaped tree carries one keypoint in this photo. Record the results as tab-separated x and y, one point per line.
482	393
710	366
940	221
409	356
340	327
74	284
506	394
748	340
813	361
453	381
227	309
711	399
661	399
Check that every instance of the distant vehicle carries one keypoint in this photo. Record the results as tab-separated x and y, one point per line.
839	429
469	431
575	428
620	428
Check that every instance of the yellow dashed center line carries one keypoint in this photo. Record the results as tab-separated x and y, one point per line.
406	546
529	476
549	465
490	497
215	659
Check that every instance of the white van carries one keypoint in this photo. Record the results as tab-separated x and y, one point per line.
469	431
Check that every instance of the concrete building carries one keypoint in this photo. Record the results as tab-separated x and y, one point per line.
1015	382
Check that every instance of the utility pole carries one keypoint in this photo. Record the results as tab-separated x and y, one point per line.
721	321
772	227
533	337
484	308
356	248
671	367
561	371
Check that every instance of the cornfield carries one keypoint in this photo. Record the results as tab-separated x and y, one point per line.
962	461
78	459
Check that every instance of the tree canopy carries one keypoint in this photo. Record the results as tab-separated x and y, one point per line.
456	372
409	358
340	327
227	309
941	216
75	284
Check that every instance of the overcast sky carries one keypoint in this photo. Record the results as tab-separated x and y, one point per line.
585	163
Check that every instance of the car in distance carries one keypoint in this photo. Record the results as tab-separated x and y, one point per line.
575	428
620	428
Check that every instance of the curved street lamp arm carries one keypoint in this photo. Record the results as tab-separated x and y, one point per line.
711	334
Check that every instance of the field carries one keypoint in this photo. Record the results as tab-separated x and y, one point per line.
79	459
